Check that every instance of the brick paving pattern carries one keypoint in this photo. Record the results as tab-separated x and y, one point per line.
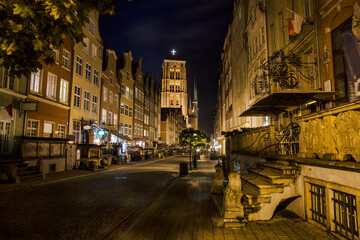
186	211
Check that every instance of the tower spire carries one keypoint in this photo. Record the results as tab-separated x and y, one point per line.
195	91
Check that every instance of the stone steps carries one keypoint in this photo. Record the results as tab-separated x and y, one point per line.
260	185
271	176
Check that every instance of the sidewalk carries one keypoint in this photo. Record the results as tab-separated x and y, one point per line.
186	211
68	175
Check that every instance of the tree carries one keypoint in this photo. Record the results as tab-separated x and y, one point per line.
193	138
31	29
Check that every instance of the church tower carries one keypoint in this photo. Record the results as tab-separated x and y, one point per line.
194	110
174	83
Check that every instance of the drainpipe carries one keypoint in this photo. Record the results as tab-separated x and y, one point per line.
71	85
317	45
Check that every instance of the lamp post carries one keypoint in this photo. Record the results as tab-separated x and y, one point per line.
190	149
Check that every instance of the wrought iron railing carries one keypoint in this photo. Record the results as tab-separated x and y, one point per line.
288	140
9	144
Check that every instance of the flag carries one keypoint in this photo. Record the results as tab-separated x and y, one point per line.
9	109
291	27
298	20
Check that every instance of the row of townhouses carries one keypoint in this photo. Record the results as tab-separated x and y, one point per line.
287	113
89	96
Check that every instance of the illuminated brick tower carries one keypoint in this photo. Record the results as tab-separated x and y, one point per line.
174	84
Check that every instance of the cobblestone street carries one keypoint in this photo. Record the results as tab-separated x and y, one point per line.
134	202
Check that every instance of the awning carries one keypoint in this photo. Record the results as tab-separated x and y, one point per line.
122	136
284	101
262	111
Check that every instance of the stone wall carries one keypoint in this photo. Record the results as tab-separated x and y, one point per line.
331	137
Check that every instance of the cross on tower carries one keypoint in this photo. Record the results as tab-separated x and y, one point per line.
173	52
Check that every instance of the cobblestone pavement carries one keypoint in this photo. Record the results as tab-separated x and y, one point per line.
83	208
132	202
186	211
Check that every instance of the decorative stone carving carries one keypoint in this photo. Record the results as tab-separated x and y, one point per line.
233	210
347	135
332	137
218	179
356	21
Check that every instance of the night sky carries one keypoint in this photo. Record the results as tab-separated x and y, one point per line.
194	28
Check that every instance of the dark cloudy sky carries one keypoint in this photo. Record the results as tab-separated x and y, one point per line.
152	28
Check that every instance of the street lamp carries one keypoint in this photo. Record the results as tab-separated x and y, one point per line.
190	151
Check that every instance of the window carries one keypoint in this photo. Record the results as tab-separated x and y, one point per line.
127	93
32	128
131	94
122	108
86	44
66	59
105	91
123	90
88	72
8	82
126	110
318	204
171	87
61	131
130	129
76	130
93	51
172	73
56	55
91	27
125	129
111	77
130	112
115	119
110	97
121	130
262	34
79	65
96	77
64	91
103	116
94	104
77	96
86	100
51	86
116	100
5	128
340	76
35	81
109	118
345	215
128	76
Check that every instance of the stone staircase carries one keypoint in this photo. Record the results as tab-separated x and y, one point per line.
266	185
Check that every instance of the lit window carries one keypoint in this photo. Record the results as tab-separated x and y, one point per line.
35	81
110	97
93	51
109	118
64	90
76	130
122	108
115	119
103	116
127	93
51	85
105	92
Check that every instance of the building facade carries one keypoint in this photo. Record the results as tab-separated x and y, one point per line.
49	88
86	84
127	94
110	99
174	84
138	103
